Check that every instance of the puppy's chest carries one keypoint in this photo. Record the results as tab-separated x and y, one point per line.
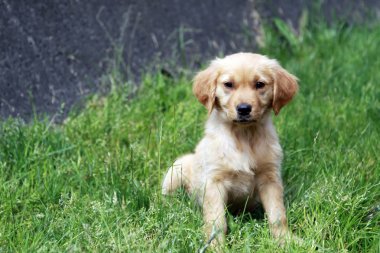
238	165
242	156
234	159
223	153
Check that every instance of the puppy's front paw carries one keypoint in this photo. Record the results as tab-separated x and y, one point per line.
215	241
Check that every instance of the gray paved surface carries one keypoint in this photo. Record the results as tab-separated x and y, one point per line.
55	52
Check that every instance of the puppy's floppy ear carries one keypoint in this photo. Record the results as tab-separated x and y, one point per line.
205	85
285	87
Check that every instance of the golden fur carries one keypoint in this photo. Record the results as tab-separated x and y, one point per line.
238	160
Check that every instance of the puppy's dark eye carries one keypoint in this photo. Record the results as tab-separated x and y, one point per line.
228	85
259	85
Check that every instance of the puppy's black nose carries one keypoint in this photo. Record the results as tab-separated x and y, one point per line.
244	109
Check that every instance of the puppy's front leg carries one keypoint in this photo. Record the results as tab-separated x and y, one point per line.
213	204
271	194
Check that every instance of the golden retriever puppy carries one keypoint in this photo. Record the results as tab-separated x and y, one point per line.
238	161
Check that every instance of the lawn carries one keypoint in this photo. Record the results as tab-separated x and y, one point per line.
93	182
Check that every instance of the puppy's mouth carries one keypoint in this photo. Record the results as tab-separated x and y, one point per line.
244	120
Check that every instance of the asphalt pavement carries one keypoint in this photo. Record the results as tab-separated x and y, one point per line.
54	53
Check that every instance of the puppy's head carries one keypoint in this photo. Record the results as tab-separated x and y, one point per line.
242	87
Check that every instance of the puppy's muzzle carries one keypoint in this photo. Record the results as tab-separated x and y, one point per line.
243	113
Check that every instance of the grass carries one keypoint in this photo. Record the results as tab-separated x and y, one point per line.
93	183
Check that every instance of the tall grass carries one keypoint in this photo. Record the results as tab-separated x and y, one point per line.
93	183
